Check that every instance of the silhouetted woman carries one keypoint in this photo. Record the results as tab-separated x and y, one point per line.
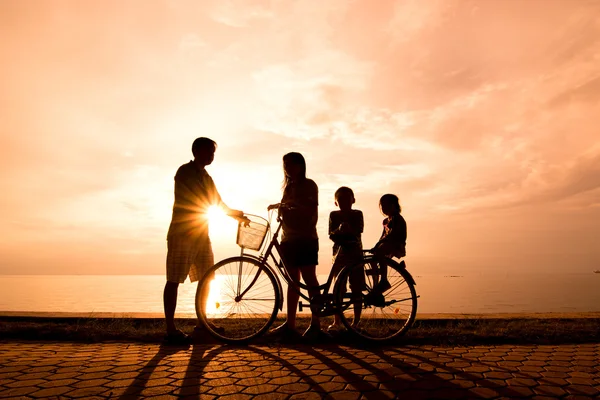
299	241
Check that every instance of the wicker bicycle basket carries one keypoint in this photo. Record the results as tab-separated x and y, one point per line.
252	236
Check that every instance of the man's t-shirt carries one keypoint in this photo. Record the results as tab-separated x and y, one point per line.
195	192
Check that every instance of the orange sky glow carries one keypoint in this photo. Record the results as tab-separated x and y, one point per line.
480	115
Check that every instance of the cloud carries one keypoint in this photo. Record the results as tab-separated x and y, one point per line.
299	98
587	92
582	176
240	14
191	41
459	106
412	18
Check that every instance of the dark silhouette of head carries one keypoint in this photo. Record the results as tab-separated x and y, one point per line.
294	168
389	204
203	150
344	198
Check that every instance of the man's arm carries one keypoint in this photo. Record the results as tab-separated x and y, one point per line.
217	200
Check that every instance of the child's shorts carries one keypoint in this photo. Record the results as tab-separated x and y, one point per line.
300	252
357	275
390	249
188	256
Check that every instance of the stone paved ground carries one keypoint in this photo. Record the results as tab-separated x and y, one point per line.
127	370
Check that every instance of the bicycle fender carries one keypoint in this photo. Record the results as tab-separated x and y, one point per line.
409	277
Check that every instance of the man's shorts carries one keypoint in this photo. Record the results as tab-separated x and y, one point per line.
300	252
188	256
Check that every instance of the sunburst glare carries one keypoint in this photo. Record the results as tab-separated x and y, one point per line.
222	227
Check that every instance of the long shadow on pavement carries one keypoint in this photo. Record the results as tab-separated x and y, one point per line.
199	358
472	384
348	373
375	382
193	383
492	377
329	370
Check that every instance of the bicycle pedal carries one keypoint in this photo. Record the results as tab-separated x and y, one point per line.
300	306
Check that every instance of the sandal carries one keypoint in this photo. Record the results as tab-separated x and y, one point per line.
177	338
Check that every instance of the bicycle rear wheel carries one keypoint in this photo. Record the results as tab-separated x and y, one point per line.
243	299
381	316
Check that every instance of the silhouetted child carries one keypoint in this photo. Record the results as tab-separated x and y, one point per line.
393	238
345	229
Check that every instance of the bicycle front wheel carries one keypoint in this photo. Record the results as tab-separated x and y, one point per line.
371	314
238	299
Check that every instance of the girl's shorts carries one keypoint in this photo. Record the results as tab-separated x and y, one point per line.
300	252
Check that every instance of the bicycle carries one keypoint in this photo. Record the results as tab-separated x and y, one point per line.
248	293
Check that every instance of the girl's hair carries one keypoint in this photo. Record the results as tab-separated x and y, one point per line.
392	200
294	158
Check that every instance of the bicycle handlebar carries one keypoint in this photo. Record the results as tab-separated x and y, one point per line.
282	206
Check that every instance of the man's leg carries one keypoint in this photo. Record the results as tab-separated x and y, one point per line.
170	304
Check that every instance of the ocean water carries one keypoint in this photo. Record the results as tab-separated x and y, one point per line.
474	293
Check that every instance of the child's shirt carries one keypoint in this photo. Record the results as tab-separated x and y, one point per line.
393	237
350	237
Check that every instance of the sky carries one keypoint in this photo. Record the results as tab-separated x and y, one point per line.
480	115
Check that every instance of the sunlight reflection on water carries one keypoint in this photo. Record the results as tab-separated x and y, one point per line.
475	293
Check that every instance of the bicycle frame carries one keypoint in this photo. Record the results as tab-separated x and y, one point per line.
268	255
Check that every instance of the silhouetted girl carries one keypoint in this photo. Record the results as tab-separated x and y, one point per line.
299	241
393	238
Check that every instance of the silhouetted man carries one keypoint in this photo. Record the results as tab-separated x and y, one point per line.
189	251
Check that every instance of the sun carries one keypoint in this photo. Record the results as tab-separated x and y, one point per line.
221	226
